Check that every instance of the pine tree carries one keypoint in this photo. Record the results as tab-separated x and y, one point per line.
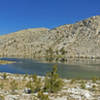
53	82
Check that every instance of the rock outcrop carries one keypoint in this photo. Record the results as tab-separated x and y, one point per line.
79	40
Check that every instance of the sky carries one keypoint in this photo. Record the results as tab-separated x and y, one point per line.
23	14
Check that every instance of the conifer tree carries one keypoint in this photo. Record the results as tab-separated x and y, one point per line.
53	82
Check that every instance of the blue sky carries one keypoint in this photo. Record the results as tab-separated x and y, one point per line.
22	14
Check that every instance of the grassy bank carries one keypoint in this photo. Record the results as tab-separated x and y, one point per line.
6	62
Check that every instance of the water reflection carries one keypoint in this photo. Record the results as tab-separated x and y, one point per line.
76	69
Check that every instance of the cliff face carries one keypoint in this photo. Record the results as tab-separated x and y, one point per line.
81	39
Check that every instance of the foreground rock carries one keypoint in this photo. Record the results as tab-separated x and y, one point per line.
72	90
79	40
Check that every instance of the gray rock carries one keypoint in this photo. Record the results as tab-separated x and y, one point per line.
27	91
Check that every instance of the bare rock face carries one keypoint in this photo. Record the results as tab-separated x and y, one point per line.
81	40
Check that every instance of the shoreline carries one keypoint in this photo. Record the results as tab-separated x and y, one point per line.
6	62
68	61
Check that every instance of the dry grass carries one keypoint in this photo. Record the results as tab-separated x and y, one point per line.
6	62
10	84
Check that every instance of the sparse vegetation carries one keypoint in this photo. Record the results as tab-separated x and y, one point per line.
2	97
1	85
13	86
6	62
72	81
82	84
4	76
94	79
30	85
49	54
45	88
35	84
53	83
42	96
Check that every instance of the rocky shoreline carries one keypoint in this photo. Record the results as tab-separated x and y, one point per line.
13	87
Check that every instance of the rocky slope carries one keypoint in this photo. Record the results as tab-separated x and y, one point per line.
79	40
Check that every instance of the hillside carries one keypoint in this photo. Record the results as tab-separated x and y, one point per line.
79	40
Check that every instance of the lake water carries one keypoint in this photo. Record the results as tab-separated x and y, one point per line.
78	69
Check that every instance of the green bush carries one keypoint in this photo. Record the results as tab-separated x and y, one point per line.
2	97
25	76
13	86
1	85
49	54
83	86
4	76
94	79
30	85
53	83
35	85
42	96
72	81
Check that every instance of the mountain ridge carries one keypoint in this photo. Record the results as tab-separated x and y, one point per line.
79	40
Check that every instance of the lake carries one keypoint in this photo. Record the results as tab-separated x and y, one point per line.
85	69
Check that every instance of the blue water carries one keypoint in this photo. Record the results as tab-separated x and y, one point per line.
29	66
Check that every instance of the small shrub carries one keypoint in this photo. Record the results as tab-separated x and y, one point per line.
53	83
94	79
1	85
49	56
83	86
30	85
35	85
34	77
13	85
38	85
42	96
2	97
4	76
62	51
94	86
26	75
72	81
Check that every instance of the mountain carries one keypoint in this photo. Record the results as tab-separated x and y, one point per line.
79	40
